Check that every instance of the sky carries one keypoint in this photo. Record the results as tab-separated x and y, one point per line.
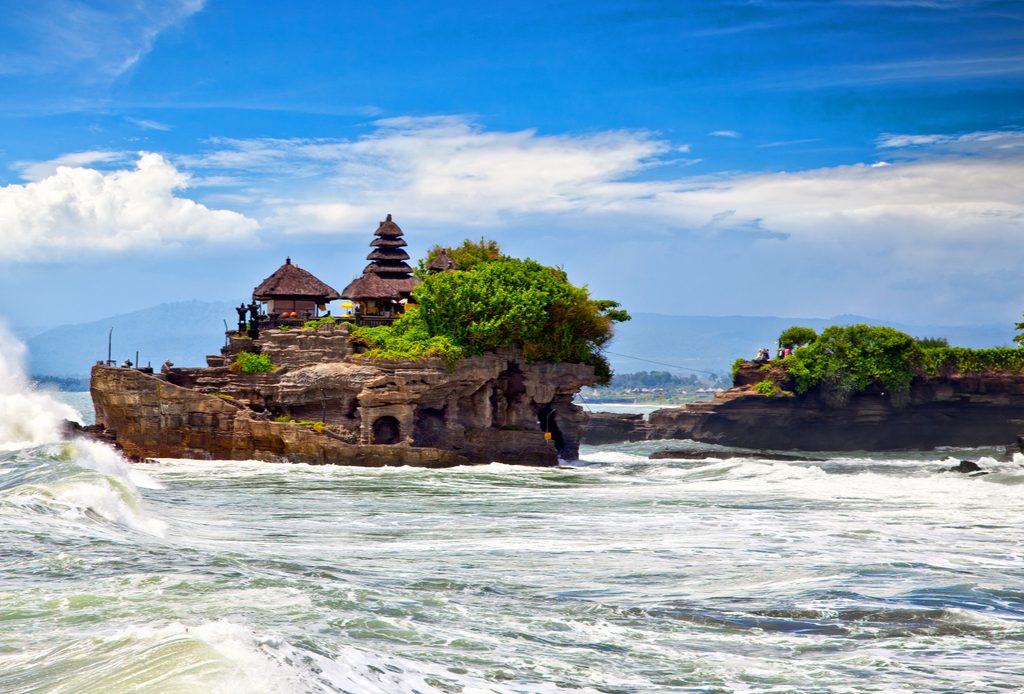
788	157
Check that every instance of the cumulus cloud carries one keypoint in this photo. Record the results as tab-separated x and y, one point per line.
77	209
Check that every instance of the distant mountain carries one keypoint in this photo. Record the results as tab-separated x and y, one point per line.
682	344
184	332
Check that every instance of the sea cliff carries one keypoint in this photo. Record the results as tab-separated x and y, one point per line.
324	403
949	410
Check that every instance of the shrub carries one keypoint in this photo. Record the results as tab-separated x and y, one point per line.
848	360
250	363
737	365
960	360
767	387
931	342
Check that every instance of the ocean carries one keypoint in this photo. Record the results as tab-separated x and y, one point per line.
616	573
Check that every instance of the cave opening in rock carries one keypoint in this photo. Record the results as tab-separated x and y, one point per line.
386	430
429	430
549	423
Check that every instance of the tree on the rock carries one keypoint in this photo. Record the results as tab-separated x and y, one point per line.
1019	339
797	336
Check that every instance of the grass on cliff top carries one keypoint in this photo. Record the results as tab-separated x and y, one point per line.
845	360
250	363
497	302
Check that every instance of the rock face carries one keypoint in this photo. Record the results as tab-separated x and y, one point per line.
494	407
964	410
973	410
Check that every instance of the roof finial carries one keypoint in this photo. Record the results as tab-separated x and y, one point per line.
388	217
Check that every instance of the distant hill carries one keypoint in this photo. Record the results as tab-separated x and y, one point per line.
711	343
185	332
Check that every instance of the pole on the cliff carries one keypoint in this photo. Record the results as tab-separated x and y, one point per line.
110	337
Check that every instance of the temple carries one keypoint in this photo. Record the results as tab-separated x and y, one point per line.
386	285
293	295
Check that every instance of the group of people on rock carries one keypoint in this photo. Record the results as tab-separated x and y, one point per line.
764	354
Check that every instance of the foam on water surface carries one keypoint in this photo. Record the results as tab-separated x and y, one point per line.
858	572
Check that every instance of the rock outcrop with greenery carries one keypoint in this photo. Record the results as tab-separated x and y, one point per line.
846	360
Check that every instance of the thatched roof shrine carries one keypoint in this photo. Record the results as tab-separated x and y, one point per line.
292	282
370	286
442	262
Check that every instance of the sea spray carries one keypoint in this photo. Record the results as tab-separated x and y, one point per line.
78	480
27	417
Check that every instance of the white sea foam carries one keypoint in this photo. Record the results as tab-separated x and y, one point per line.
27	417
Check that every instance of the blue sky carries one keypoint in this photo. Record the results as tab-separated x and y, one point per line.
716	158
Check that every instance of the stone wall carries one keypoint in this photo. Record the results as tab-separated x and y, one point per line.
152	418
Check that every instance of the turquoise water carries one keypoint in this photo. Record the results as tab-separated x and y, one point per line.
613	574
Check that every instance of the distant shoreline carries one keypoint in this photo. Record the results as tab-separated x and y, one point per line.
71	384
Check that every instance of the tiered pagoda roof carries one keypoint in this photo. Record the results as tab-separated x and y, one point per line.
292	282
387	275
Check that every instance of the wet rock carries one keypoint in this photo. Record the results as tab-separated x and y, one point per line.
967	467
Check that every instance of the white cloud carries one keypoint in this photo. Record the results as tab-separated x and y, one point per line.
100	42
148	124
38	170
77	209
439	169
724	133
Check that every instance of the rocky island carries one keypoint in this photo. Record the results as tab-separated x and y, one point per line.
474	358
853	388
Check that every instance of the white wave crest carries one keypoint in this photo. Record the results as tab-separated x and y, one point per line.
27	417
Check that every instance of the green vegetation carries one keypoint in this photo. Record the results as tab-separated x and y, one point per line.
770	389
737	365
960	360
249	363
1019	337
406	338
314	324
497	302
222	396
846	360
797	336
